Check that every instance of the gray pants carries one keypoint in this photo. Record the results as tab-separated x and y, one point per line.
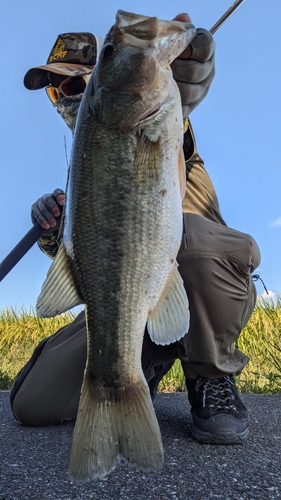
215	263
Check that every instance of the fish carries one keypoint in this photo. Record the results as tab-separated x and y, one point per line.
122	232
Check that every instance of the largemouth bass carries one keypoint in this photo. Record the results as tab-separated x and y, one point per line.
123	228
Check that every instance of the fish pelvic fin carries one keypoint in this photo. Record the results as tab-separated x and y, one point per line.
169	321
182	173
58	293
146	162
107	430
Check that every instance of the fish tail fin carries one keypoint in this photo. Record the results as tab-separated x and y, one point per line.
106	430
140	440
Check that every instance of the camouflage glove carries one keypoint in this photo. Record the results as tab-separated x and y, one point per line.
194	75
47	210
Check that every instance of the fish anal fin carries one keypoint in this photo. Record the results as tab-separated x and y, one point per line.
169	321
58	293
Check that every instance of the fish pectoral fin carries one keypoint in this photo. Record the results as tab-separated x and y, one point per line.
169	321
58	293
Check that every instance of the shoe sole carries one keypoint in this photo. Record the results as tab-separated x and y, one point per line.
222	436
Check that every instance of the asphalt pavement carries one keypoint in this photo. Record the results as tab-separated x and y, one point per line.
34	460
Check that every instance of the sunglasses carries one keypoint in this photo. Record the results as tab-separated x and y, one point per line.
68	87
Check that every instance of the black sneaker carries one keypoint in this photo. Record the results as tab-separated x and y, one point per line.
219	416
160	371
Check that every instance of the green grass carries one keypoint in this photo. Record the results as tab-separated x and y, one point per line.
21	331
261	341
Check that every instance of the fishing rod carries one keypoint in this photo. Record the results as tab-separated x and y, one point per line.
33	235
226	15
20	249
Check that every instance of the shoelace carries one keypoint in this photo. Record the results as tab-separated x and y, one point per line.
219	391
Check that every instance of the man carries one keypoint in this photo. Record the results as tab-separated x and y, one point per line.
215	263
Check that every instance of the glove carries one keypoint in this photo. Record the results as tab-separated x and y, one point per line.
47	210
194	75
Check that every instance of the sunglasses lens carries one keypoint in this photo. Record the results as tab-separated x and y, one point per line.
68	88
52	94
73	86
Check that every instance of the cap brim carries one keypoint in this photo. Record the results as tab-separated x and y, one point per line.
37	78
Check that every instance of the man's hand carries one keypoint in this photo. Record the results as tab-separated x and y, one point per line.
194	69
47	209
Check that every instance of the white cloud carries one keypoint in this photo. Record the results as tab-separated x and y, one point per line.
276	223
267	296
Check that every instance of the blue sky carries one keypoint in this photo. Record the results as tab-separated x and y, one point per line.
237	126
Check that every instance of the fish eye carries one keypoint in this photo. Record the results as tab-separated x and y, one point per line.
108	50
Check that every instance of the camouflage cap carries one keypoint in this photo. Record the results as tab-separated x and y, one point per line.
73	54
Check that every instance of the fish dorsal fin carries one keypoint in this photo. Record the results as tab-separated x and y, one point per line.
58	293
169	321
